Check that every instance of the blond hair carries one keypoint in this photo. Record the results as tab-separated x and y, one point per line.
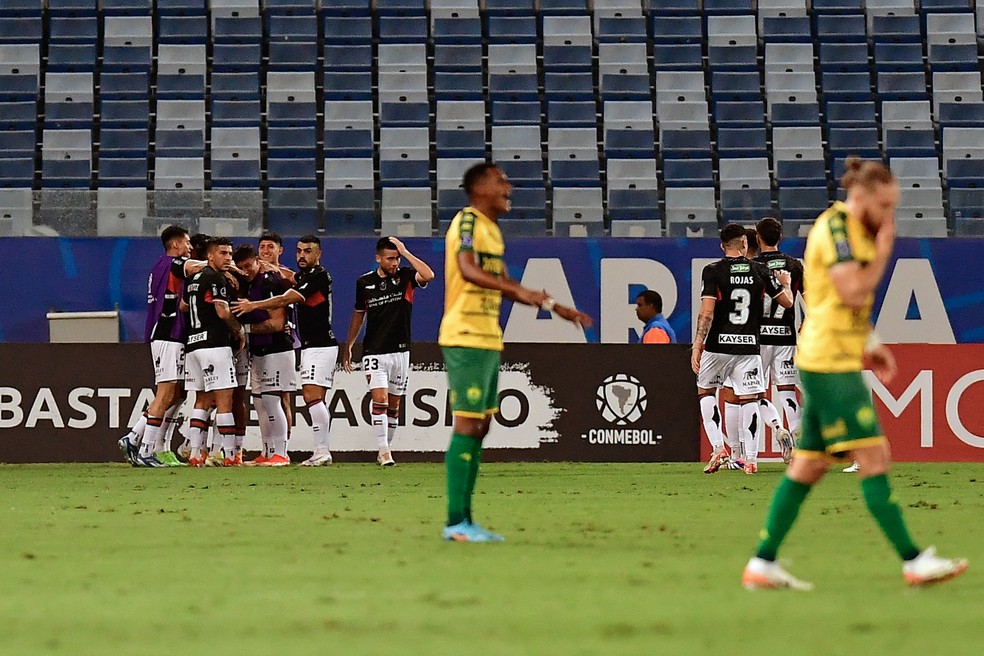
868	173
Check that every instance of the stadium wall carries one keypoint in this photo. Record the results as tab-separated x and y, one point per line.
928	296
68	403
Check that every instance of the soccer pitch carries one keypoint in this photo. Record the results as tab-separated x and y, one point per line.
599	559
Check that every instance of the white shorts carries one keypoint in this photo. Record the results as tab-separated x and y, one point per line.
169	361
273	373
388	370
210	369
318	366
779	362
742	372
242	358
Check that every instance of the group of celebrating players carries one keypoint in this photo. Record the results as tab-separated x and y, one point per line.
220	320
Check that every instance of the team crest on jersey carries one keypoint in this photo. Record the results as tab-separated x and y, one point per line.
466	241
382	286
740	268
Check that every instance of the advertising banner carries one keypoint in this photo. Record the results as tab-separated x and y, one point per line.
932	411
927	296
606	403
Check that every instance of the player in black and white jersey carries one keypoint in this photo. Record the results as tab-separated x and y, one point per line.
312	294
210	366
777	334
728	330
384	303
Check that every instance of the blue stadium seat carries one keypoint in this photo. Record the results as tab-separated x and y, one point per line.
230	113
236	86
400	7
528	203
242	29
563	7
123	142
910	143
450	57
802	203
350	209
953	57
17	172
292	27
236	57
801	173
786	29
965	173
677	29
18	87
17	143
454	85
727	7
347	29
688	173
122	171
348	57
895	57
965	204
854	141
837	6
509	7
840	29
902	86
739	205
793	114
124	113
460	143
293	212
632	204
294	141
71	57
623	87
968	114
126	59
511	29
292	172
72	173
674	7
413	29
570	86
895	29
127	7
72	7
568	114
630	144
348	85
63	30
742	141
22	8
233	173
179	143
62	115
183	29
689	144
574	58
734	85
187	7
291	56
684	56
850	113
523	173
348	143
513	86
291	113
14	29
622	29
18	115
744	113
404	173
452	31
941	6
404	114
515	113
180	87
345	7
843	57
742	58
846	86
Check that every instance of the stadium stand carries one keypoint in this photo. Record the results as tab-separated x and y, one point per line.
612	117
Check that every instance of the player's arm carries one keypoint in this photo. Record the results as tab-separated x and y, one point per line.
355	327
191	267
424	273
785	296
853	280
704	320
516	292
283	300
223	311
276	322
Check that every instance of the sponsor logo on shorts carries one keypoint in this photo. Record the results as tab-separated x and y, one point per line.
737	339
752	375
200	337
834	430
776	331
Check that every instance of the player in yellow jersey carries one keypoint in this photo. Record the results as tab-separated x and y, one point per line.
476	279
847	252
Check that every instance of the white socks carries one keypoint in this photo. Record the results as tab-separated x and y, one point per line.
751	427
276	424
170	423
196	431
791	408
380	425
711	417
136	433
153	429
769	413
732	435
320	425
392	421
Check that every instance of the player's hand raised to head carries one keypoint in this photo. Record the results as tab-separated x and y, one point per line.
400	246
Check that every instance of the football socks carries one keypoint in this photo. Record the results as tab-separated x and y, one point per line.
786	503
711	416
886	511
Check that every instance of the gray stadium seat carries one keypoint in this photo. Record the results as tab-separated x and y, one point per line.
516	142
567	30
404	144
572	143
406	212
236	143
578	207
179	173
120	212
238	204
906	114
745	173
789	57
450	172
349	173
234	8
128	31
460	115
290	87
512	58
20	59
66	144
956	28
731	31
16	212
794	143
348	114
181	115
632	174
405	57
454	8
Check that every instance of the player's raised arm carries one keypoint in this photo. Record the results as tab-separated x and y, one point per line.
424	273
191	267
785	296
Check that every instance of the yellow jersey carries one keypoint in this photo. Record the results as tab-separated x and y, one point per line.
471	313
833	335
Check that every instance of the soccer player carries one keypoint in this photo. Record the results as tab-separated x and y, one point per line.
145	445
727	328
649	310
211	368
384	303
272	371
476	279
777	335
847	252
311	293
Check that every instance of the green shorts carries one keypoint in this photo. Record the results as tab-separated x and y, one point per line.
838	415
473	380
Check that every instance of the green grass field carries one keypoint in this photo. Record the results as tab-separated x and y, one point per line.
599	559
